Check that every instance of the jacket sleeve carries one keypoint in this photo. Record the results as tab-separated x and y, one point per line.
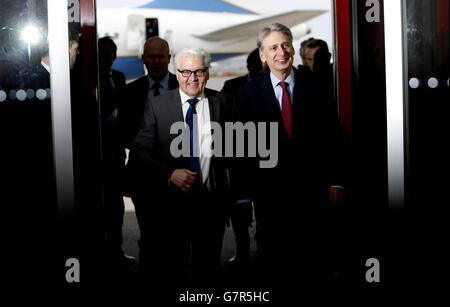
147	168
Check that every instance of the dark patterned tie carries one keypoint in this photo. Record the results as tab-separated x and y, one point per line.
194	165
156	88
286	109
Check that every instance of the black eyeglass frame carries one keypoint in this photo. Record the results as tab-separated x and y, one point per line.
199	72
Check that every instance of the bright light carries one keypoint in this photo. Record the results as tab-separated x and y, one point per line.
30	35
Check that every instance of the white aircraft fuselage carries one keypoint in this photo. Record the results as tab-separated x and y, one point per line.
181	29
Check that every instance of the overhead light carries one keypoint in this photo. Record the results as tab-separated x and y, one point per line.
30	34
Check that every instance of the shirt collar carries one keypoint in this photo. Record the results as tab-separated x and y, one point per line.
289	80
184	97
164	83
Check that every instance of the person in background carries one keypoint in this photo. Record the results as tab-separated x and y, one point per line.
302	53
242	213
255	69
317	59
156	58
140	93
112	97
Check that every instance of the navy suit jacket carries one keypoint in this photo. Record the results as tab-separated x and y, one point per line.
307	163
233	86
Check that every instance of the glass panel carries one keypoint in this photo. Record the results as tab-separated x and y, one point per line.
427	34
25	114
26	158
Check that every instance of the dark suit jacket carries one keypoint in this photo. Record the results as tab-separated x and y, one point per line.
137	93
307	162
111	99
151	162
233	86
39	79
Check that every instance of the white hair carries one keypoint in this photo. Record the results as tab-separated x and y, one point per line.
193	52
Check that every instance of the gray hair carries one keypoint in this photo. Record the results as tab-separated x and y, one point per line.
270	28
193	52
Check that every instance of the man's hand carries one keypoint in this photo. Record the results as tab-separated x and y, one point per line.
183	179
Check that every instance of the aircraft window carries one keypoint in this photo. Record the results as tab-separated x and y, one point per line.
151	27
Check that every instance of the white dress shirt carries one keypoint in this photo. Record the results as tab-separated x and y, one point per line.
279	90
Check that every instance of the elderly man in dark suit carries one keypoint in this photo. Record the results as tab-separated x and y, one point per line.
183	199
156	58
292	199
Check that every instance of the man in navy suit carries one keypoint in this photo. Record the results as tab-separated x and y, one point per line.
292	199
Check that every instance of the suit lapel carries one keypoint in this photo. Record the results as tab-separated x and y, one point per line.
175	110
214	106
272	105
173	82
299	90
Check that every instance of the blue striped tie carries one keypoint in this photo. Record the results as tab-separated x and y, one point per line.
194	165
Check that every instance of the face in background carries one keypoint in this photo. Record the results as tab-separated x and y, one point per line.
309	57
106	57
278	53
73	52
303	56
194	85
302	50
156	58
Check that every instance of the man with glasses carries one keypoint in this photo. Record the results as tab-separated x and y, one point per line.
185	198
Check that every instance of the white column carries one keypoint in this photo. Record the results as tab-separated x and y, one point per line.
395	101
60	105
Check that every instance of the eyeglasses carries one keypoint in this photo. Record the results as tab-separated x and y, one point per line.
199	72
